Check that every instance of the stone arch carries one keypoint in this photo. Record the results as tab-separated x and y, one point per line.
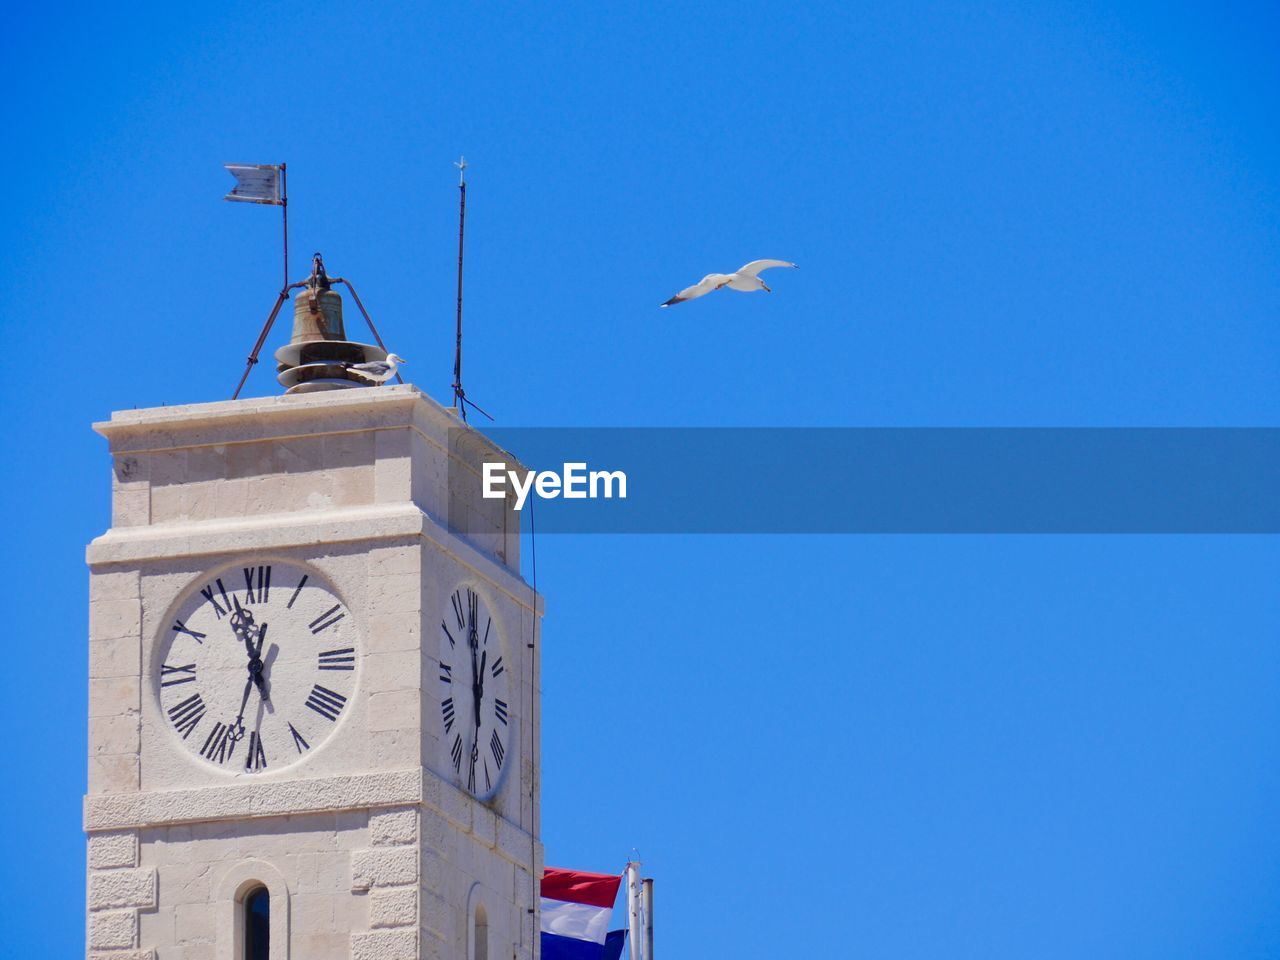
241	879
479	935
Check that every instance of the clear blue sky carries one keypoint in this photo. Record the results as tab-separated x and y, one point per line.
1023	214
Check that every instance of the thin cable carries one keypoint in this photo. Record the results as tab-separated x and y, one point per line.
533	731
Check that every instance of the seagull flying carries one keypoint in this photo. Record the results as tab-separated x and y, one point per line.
377	371
746	280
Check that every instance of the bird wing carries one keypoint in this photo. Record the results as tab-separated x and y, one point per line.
755	266
712	281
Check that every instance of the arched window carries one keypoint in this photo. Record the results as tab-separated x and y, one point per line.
257	924
481	937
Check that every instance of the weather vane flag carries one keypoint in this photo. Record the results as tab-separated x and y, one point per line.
263	183
257	182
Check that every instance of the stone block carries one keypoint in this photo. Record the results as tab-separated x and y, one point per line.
395	593
231	498
115	658
166	504
107	850
349	449
124	955
383	672
187	882
311	912
194	922
383	867
385	945
484	824
301	454
397	907
113	774
199	501
115	585
113	735
438	916
391	634
386	561
393	827
131	508
117	930
113	696
113	619
122	888
206	463
514	843
396	710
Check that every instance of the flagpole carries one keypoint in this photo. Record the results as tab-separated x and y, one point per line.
633	908
284	210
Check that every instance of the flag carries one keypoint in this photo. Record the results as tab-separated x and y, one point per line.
576	907
255	183
613	945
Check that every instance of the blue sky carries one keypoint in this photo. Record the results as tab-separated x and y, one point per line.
1022	214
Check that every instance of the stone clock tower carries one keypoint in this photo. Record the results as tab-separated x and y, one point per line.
313	688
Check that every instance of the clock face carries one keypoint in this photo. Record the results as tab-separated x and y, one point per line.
473	697
258	666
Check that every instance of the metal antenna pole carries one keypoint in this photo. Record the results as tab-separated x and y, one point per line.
647	905
458	395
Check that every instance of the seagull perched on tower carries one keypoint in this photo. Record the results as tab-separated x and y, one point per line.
377	371
746	279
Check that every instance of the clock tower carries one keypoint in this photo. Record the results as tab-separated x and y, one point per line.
313	691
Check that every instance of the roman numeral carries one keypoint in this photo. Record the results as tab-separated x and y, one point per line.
446	711
183	674
446	673
488	782
301	583
456	752
344	659
487	624
445	628
259	590
180	627
256	758
473	603
298	741
208	595
326	702
220	744
326	619
495	747
500	710
187	714
497	667
471	773
457	608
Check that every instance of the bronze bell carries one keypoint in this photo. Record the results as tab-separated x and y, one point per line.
317	312
318	354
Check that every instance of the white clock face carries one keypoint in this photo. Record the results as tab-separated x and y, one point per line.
473	699
257	666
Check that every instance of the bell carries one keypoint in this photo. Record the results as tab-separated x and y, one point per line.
318	354
317	313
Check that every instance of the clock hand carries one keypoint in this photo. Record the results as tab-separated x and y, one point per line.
242	624
236	730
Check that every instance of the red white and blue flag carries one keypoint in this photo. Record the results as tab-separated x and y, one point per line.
576	908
